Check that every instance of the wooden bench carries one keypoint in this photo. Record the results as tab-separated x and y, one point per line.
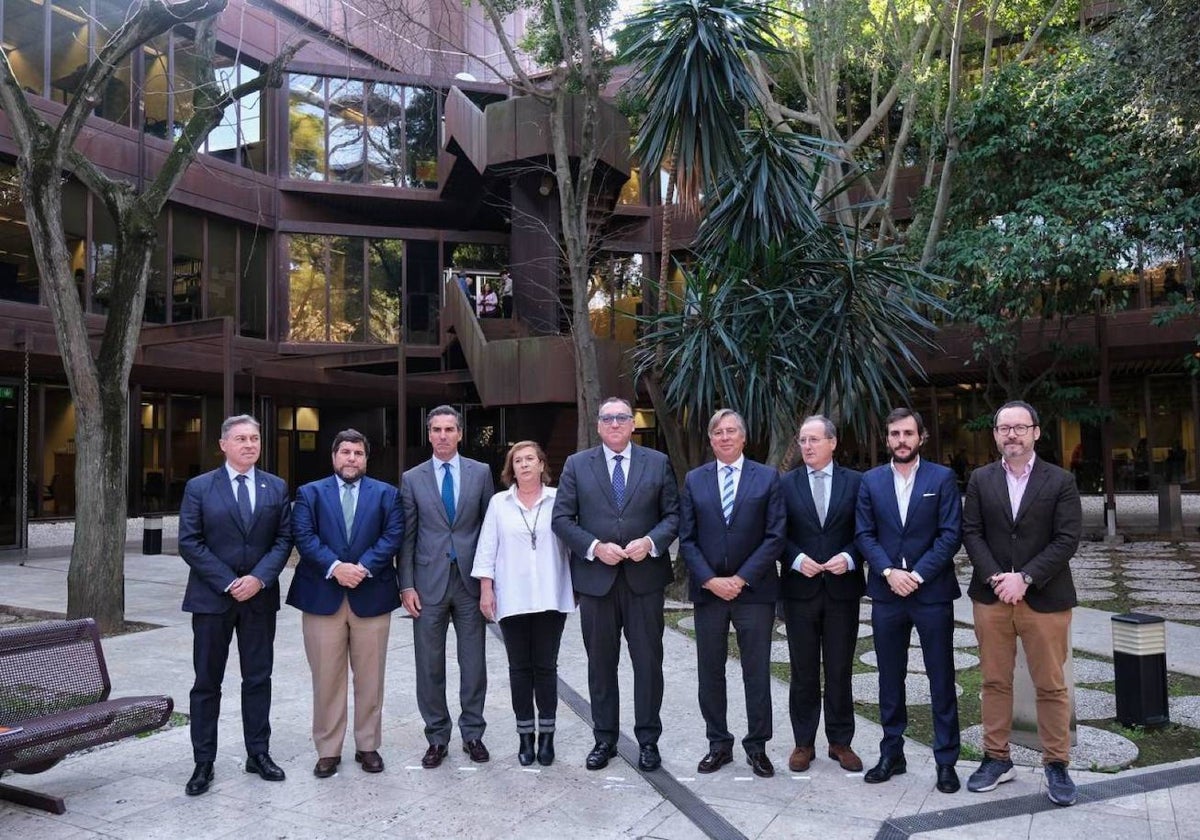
54	689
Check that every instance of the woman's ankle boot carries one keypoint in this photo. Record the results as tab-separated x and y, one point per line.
525	748
545	748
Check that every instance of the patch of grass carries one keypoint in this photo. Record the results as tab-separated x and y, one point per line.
176	719
1173	742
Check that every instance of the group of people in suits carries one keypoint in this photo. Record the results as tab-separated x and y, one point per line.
809	543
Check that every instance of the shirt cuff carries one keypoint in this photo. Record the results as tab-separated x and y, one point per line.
920	579
653	547
333	566
591	552
797	561
850	567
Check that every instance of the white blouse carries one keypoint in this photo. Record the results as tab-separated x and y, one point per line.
526	562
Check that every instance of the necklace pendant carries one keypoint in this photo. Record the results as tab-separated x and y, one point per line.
533	541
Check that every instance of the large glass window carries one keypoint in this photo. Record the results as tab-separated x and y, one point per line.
187	266
307	303
68	47
386	270
363	132
103	257
222	270
115	101
24	42
346	277
156	86
254	281
18	269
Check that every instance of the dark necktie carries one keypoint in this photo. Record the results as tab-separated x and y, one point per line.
448	492
243	501
618	481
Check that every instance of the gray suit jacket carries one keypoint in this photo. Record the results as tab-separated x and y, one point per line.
584	511
428	535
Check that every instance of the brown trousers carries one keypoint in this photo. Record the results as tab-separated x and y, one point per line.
1046	638
334	643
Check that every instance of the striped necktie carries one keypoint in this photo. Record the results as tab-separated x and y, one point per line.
618	481
727	494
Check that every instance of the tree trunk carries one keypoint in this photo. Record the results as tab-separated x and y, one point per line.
96	581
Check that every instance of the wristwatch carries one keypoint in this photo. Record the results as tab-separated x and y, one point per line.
1028	578
887	571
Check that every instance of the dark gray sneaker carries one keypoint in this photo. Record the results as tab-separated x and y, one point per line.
1059	786
992	772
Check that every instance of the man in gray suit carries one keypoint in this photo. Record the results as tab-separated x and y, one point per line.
617	509
444	500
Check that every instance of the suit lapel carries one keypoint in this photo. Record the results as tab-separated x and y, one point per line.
837	489
603	479
637	468
436	488
224	488
333	498
745	484
1033	488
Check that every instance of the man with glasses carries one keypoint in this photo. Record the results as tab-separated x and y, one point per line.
1021	526
731	521
617	509
821	587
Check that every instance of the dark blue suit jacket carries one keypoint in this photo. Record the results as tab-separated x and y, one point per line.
925	543
749	546
320	533
805	533
219	549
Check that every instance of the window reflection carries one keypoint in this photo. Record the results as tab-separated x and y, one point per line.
306	127
24	42
345	288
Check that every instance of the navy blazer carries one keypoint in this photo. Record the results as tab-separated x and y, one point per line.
925	543
748	546
806	534
219	549
320	533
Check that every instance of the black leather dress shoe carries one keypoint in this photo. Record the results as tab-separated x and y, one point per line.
648	758
885	769
760	764
477	751
267	769
598	758
202	777
714	761
947	779
433	756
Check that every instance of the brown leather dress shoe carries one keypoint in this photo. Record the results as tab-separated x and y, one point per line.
800	758
843	755
371	761
477	751
433	756
326	767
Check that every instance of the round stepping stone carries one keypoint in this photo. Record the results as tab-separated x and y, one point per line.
1175	598
916	663
864	611
916	689
1155	577
1095	748
1091	704
1093	671
1090	582
780	652
1159	566
1152	585
781	629
1090	564
1093	594
1171	612
864	630
964	638
1185	710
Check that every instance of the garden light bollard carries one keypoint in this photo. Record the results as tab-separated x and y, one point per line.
1140	666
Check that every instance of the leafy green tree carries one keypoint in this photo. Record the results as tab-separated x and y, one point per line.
1061	185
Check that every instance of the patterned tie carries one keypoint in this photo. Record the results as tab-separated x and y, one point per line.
348	507
727	494
448	492
618	481
243	501
819	494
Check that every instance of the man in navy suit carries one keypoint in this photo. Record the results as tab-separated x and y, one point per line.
235	534
731	522
909	525
617	509
821	587
348	528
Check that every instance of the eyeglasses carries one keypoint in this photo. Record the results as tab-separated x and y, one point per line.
1020	428
615	419
813	441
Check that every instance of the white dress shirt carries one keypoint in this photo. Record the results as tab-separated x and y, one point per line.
525	579
455	470
250	485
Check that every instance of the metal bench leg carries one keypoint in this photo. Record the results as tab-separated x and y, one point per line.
32	799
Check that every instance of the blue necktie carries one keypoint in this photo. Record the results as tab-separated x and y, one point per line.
727	494
448	492
618	481
243	501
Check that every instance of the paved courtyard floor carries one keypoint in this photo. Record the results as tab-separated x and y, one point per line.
135	789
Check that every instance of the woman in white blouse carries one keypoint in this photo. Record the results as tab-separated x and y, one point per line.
525	584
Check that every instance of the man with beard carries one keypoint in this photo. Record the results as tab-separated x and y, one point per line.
908	527
347	528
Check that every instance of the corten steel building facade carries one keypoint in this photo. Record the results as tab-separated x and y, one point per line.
308	268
